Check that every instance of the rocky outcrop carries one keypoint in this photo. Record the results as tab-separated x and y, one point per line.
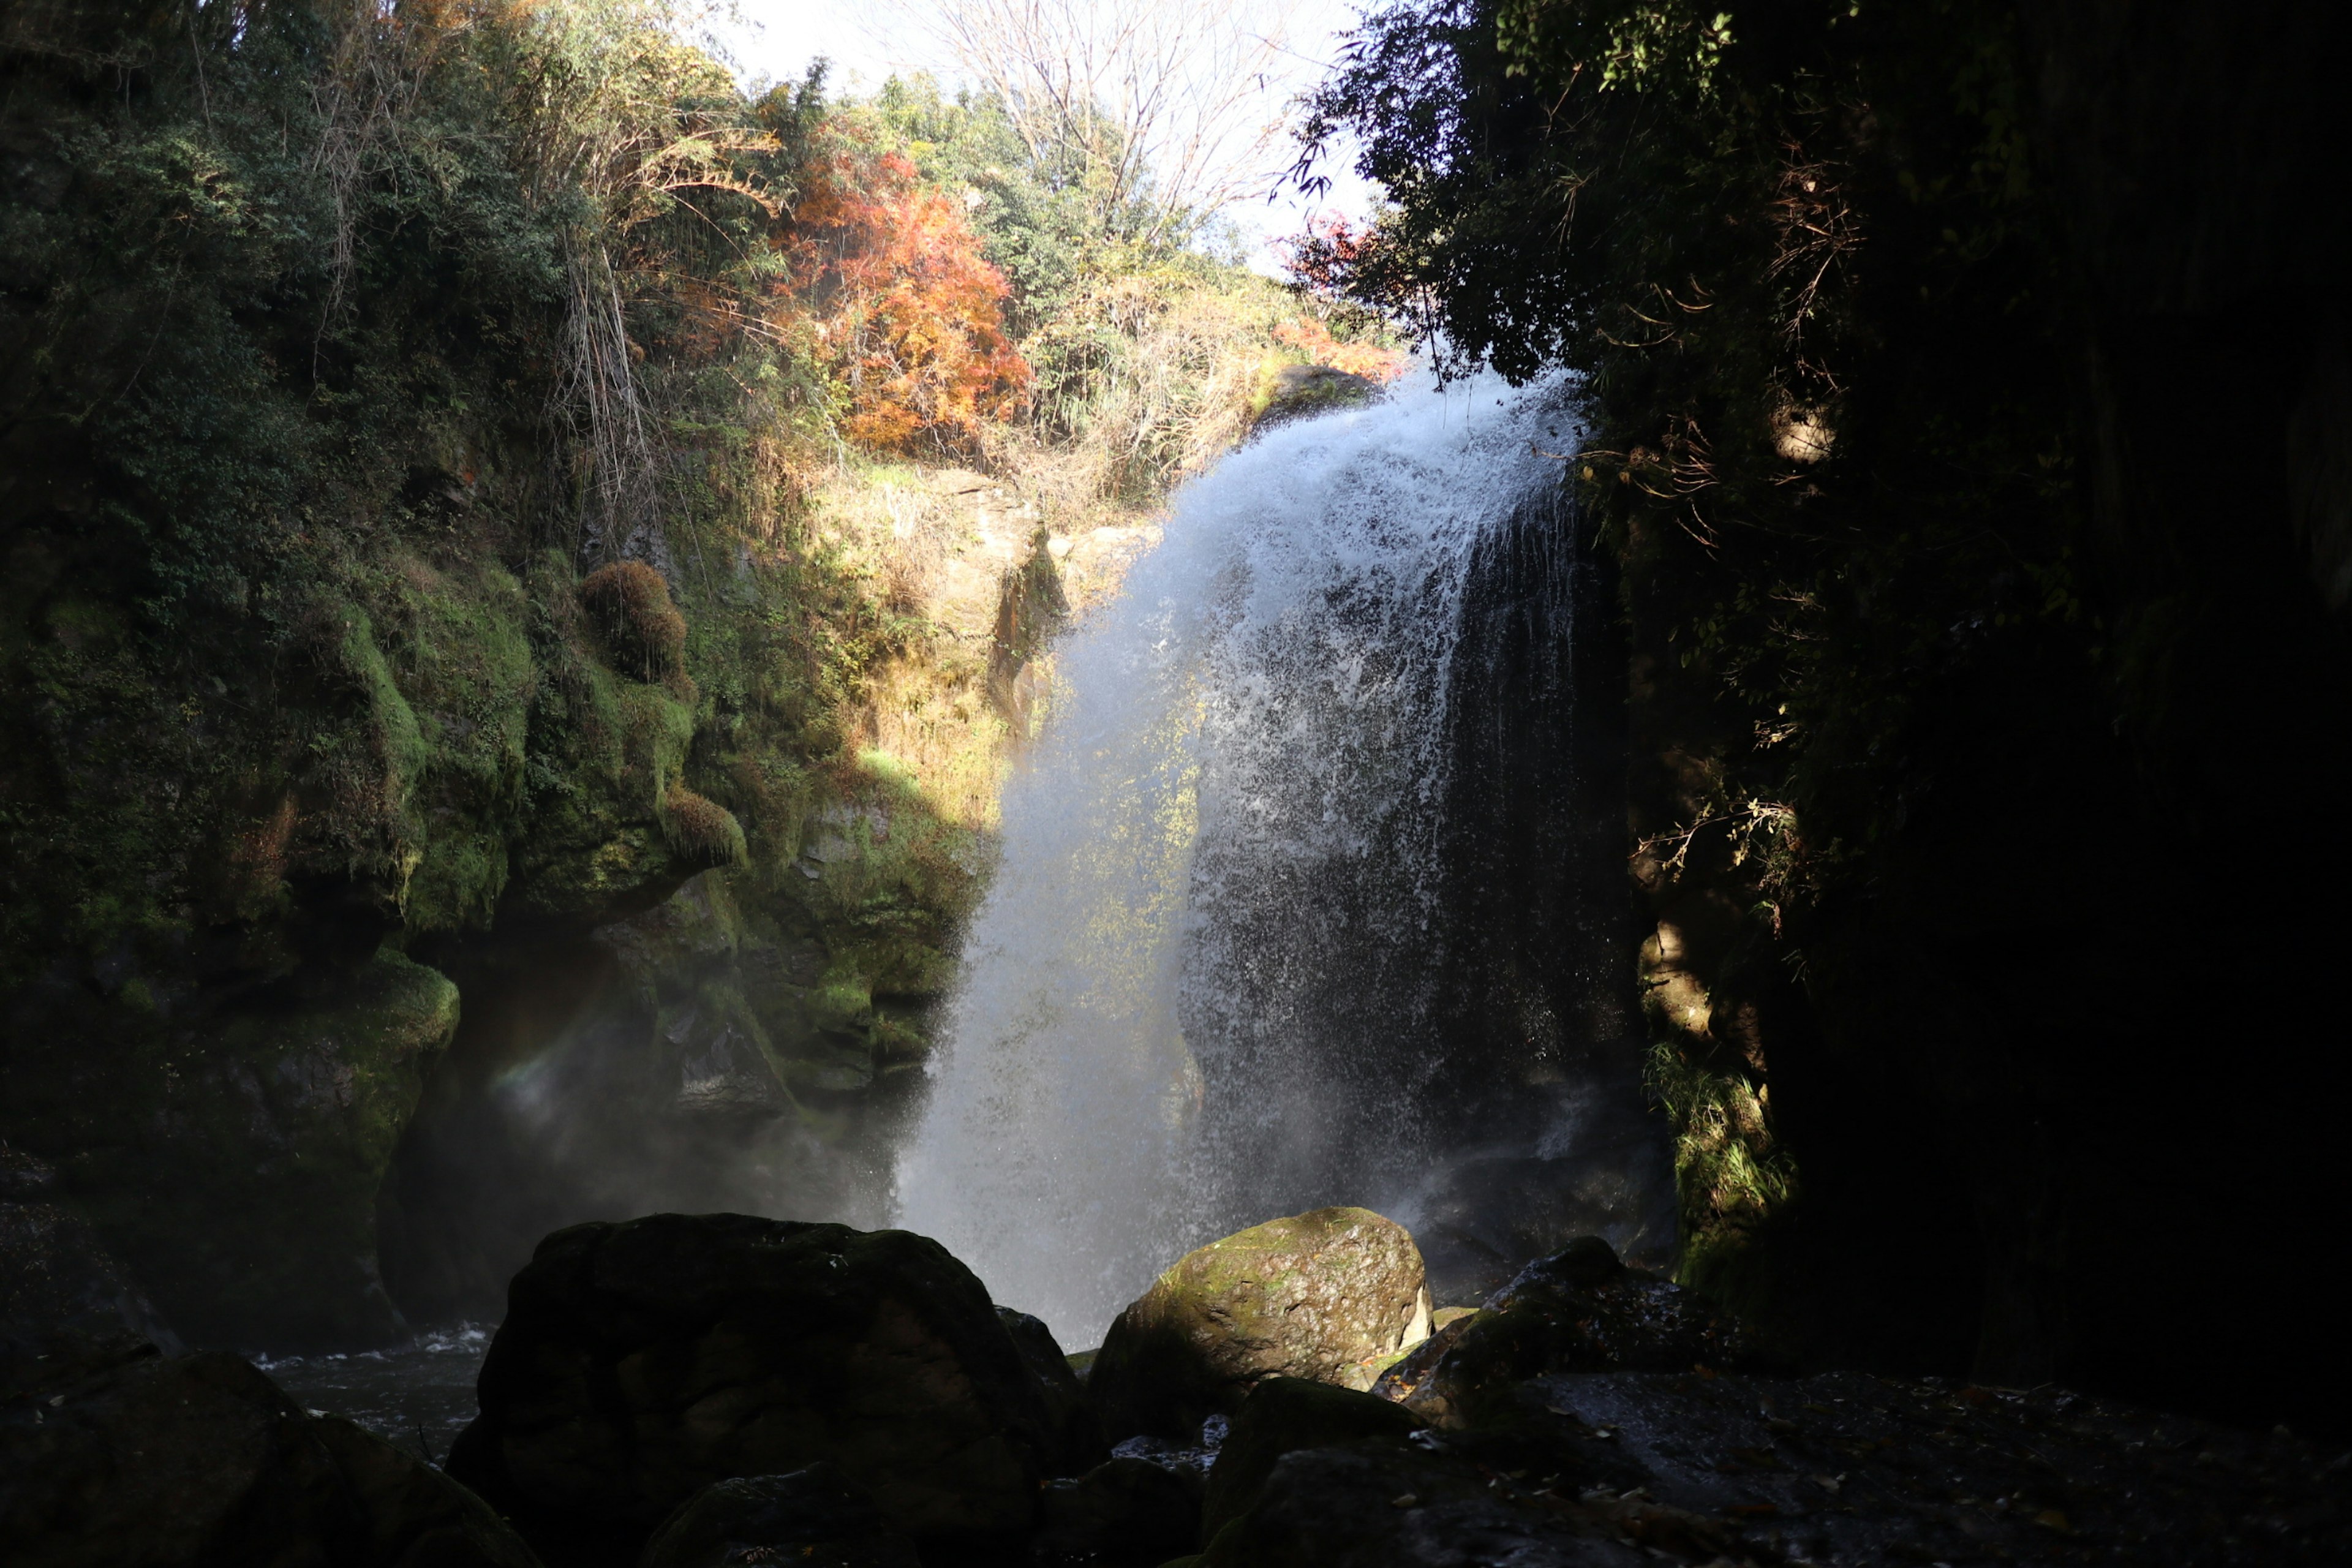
1303	391
640	1363
813	1517
233	1163
1323	1295
132	1457
1580	1311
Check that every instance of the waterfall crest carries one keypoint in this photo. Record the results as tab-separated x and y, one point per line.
1199	990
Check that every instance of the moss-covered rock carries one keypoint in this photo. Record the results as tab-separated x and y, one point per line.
236	1165
1302	391
1318	1296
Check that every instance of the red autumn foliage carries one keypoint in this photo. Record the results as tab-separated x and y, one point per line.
889	278
1324	256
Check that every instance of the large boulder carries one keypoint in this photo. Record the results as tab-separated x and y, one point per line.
811	1519
131	1457
641	1362
1324	1295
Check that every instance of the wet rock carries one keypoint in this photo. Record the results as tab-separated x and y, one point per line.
1124	1513
640	1363
202	1459
1404	1376
812	1518
1842	1468
1303	391
1077	1438
1320	1295
1282	1415
1580	1309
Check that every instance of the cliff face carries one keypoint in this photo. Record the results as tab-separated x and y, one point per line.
1987	1106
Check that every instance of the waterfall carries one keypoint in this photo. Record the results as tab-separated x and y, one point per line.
1205	985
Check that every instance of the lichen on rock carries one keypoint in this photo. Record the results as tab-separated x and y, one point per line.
1321	1295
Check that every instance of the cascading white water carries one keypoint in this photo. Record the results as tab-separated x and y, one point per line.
1240	782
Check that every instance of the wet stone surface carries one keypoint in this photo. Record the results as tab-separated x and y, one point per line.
1841	1469
1847	1468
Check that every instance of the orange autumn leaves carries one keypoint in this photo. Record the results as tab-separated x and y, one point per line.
887	277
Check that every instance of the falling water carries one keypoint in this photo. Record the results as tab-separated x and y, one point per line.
1199	990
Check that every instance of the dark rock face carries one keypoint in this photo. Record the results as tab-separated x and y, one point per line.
56	1274
1320	1295
815	1518
641	1362
133	1458
1283	1415
1580	1309
1077	1436
1125	1513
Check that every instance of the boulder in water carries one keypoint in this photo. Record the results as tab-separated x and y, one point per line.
640	1363
812	1518
1124	1513
137	1459
1323	1295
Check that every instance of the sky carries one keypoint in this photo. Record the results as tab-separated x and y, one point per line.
777	40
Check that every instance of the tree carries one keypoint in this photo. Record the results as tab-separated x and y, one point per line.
888	276
1163	112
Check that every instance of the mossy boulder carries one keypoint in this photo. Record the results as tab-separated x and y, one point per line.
1321	1295
641	1362
202	1459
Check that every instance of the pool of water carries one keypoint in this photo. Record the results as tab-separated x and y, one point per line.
419	1395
